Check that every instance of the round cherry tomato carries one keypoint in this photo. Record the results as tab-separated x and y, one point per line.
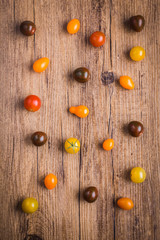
108	144
97	39
73	26
72	145
32	103
125	203
39	138
29	205
80	111
90	194
137	23
28	28
50	181
126	82
40	65
137	53
135	128
138	175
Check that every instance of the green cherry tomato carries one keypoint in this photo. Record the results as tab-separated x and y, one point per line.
138	175
72	145
29	205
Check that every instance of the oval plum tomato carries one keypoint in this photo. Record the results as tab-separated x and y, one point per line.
40	65
125	203
97	39
29	205
32	103
50	181
73	26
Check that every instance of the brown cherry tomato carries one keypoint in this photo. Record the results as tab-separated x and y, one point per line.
97	39
125	203
135	128
27	28
32	103
39	138
90	194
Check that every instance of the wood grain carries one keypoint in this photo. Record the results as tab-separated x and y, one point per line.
62	212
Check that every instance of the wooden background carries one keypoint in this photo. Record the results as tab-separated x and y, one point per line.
62	213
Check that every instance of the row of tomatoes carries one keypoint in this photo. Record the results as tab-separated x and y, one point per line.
137	175
72	145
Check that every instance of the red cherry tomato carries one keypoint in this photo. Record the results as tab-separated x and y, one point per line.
97	39
32	103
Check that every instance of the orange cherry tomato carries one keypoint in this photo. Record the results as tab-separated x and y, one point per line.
73	26
81	111
97	39
108	144
40	65
50	181
125	203
126	82
32	103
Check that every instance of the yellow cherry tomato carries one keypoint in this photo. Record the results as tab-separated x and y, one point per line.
81	111
40	65
138	175
73	26
126	82
125	203
29	205
108	144
72	145
137	53
50	181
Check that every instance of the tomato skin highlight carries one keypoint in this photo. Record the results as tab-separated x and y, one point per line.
80	111
29	205
108	144
40	65
72	145
50	181
97	39
32	103
126	82
137	53
73	26
125	203
138	175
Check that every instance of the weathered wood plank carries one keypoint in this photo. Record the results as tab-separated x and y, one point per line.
62	212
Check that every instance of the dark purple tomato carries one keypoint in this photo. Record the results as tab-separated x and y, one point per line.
137	23
39	138
90	194
27	28
81	75
135	128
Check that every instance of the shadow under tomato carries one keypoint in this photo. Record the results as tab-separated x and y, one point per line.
125	129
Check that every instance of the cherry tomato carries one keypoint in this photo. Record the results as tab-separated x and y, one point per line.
138	175
28	28
90	194
81	111
137	53
40	65
32	103
72	145
50	181
108	144
126	82
125	203
29	205
97	39
73	26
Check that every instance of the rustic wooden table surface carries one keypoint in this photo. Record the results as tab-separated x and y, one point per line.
62	213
